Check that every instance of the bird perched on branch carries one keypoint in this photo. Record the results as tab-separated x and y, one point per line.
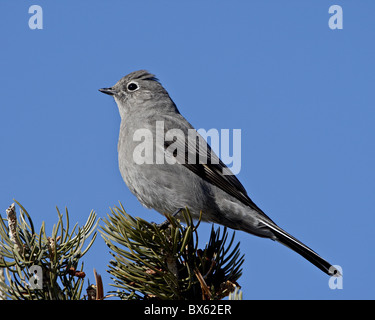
160	159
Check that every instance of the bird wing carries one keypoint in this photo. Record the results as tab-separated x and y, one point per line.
211	169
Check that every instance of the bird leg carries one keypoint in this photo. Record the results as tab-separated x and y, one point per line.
165	224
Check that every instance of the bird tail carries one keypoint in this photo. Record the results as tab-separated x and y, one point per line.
297	246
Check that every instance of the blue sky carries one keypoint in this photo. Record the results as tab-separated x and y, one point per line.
301	93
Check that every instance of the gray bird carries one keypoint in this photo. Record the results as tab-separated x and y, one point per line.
172	176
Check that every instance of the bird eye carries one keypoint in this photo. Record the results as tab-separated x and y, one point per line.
132	86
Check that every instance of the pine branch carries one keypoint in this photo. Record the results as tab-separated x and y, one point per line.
38	266
167	264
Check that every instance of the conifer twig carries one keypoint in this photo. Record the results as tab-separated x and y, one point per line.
99	286
154	263
12	224
2	283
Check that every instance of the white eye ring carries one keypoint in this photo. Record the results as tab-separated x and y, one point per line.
132	86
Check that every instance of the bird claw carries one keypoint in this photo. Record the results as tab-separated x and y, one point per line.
164	225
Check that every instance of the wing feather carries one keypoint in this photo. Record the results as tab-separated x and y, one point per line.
211	169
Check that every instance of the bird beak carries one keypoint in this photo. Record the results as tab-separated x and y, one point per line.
109	91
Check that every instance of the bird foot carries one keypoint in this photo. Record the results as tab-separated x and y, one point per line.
164	225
